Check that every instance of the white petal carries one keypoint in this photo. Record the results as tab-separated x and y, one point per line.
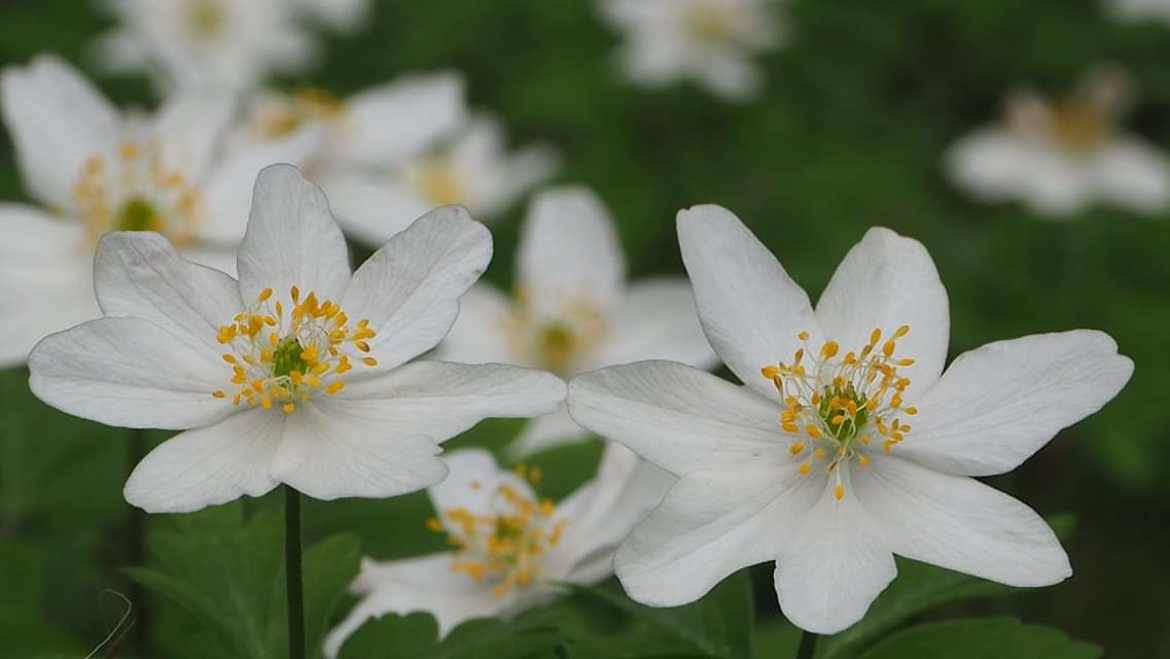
480	333
657	319
712	523
425	584
473	483
546	432
129	372
386	124
292	239
208	466
493	179
227	188
730	75
328	454
1057	185
998	404
750	308
884	282
57	120
440	400
990	163
373	207
190	127
569	253
1134	175
139	274
834	567
409	289
960	524
676	416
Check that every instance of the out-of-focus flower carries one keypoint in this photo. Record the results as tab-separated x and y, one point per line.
1060	157
511	547
395	150
299	373
573	311
847	442
229	44
709	41
343	15
1131	10
95	170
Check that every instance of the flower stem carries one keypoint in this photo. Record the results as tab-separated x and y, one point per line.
808	646
293	579
136	549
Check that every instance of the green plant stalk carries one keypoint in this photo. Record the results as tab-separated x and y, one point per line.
293	576
808	645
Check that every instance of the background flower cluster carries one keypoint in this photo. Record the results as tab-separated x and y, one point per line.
848	116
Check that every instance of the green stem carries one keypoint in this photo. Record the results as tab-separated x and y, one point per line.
808	646
293	579
136	549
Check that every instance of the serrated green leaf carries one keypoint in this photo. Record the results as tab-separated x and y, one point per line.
1001	638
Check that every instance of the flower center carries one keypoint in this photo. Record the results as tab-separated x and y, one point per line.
505	548
135	191
554	344
280	115
205	18
709	24
286	359
842	404
1079	127
437	181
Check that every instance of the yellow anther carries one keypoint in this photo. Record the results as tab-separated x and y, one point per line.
902	331
288	408
770	372
863	460
813	431
362	345
295	294
219	393
231	359
912	411
335	387
839	492
803	336
875	336
888	348
434	524
266	402
819	454
265	294
805	468
829	350
905	362
796	448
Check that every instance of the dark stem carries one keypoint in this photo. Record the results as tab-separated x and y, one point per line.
136	550
293	579
808	646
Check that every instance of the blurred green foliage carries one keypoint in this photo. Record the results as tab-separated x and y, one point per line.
858	110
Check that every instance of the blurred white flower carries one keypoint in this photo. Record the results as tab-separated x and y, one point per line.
299	373
709	41
1131	10
512	548
229	44
813	462
95	170
343	15
1059	158
573	310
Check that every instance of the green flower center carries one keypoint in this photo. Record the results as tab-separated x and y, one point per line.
834	407
138	214
288	357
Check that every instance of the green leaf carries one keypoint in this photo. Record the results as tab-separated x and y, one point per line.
416	636
1002	638
919	588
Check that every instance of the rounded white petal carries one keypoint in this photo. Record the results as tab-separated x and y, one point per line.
1134	175
546	432
56	120
676	416
473	483
208	466
1057	185
292	239
751	310
439	400
389	123
139	274
998	404
991	163
372	207
657	319
129	372
409	289
328	454
959	523
887	281
712	523
190	127
480	333
569	253
835	565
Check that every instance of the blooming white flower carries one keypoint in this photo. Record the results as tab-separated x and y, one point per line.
1060	157
573	311
709	41
206	43
1131	10
847	442
95	170
299	373
511	547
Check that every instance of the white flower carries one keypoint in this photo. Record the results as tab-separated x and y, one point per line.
574	311
1132	10
206	43
847	442
709	41
94	170
343	15
1059	158
483	510
299	373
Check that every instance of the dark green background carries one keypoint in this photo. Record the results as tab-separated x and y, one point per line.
858	109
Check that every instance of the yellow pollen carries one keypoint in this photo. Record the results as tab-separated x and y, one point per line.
805	468
839	492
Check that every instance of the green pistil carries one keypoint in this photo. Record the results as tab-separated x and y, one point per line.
848	429
138	214
286	358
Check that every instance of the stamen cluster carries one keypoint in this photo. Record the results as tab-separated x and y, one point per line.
505	548
282	114
279	359
839	402
135	191
556	345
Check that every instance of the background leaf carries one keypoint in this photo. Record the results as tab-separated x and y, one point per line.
1002	638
